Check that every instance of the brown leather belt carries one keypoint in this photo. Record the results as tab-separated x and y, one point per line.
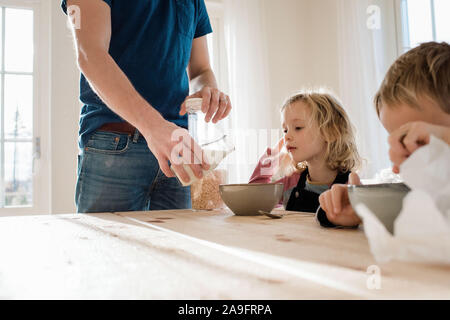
119	127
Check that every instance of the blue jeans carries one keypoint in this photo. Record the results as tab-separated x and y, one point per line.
117	172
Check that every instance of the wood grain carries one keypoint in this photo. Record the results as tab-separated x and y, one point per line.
198	255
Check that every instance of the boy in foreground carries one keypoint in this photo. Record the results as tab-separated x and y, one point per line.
412	103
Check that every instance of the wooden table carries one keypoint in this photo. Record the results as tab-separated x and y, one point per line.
199	255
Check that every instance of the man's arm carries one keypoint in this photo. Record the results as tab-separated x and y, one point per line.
216	104
104	75
106	78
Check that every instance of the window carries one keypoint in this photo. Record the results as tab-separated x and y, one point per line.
216	44
423	21
22	188
17	107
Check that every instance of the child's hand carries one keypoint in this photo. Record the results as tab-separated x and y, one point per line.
280	161
410	137
275	155
271	158
336	204
270	165
278	147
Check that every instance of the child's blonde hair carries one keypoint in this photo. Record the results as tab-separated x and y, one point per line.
421	72
334	126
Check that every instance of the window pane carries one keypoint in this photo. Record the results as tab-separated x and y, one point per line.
442	11
420	26
18	40
18	106
18	174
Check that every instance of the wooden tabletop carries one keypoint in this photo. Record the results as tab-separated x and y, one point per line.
200	255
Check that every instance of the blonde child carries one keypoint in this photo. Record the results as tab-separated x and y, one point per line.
412	103
319	151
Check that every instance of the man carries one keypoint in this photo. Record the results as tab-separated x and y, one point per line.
138	60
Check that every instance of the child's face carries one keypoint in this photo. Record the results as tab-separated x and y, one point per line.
301	135
393	117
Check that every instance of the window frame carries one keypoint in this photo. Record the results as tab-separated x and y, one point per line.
403	41
41	110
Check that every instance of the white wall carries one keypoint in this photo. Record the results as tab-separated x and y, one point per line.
302	38
287	53
64	115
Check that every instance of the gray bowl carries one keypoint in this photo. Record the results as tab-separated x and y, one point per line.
248	199
384	200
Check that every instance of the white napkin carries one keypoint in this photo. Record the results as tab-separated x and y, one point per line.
422	229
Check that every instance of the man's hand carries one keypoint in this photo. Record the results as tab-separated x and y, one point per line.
410	137
216	104
336	204
168	142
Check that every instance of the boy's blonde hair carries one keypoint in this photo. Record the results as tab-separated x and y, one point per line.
335	128
421	72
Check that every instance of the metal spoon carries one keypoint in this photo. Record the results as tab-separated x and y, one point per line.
271	215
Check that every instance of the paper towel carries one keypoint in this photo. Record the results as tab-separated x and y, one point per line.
422	229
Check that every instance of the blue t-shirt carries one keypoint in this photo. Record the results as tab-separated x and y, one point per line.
151	42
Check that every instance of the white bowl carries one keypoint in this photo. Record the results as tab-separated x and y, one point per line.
248	199
384	200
